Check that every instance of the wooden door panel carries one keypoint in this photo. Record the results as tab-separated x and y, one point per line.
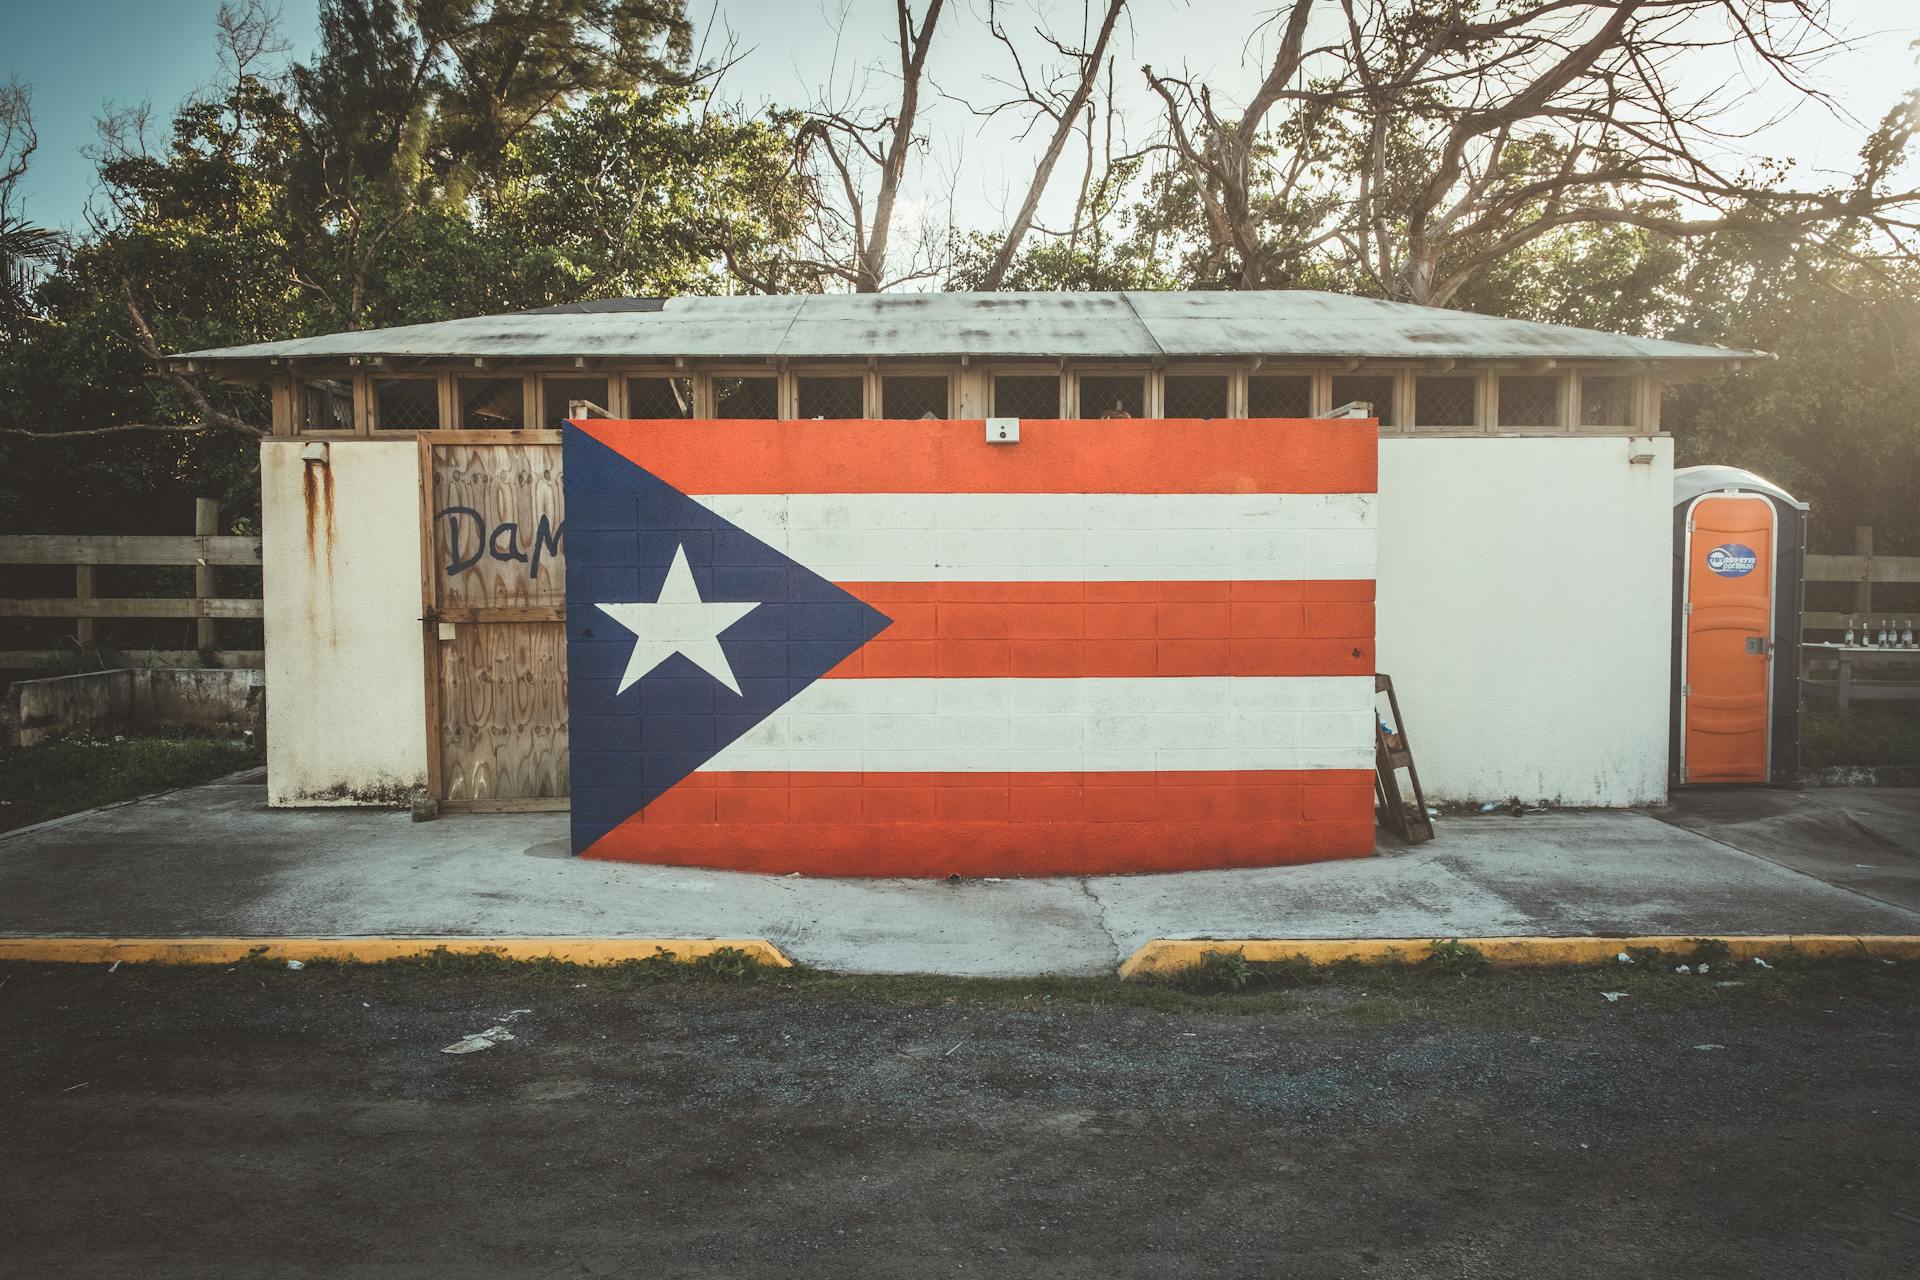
495	610
503	711
498	515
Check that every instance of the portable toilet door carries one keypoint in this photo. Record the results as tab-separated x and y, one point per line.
1740	546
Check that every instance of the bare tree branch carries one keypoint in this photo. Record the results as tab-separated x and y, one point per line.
1066	118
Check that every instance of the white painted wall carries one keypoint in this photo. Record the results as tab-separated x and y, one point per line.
346	700
1524	598
1525	614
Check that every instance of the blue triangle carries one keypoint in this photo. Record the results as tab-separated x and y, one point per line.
623	526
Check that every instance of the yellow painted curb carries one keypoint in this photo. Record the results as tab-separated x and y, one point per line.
227	950
1169	955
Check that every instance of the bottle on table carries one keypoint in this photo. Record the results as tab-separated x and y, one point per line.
1847	640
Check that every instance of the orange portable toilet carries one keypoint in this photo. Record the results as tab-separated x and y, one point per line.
1739	546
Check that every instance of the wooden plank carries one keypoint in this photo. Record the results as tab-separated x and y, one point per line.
38	659
1863	570
83	630
505	613
429	610
529	435
134	607
1863	592
503	712
206	523
533	804
134	549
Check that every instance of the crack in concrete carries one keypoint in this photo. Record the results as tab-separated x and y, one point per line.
1085	886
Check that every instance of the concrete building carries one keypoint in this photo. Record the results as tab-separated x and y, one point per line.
1521	533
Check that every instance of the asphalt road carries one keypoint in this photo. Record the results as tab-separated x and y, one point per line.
258	1122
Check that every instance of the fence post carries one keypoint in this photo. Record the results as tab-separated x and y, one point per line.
83	590
1863	589
206	524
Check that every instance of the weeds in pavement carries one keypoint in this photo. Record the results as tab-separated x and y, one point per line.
1219	971
1457	959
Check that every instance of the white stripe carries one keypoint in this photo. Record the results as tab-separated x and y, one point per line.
1064	537
1187	723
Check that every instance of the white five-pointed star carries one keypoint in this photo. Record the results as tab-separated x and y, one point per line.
678	622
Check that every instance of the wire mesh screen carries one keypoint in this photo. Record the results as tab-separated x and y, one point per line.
407	404
326	404
1443	401
1373	389
1280	396
1110	396
659	397
746	397
556	394
843	397
1196	395
491	404
1606	401
914	397
1529	401
1026	396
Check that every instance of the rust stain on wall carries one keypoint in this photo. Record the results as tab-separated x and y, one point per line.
317	494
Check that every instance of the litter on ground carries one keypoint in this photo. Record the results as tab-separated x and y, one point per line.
479	1040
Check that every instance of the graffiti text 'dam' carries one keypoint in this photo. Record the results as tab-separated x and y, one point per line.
470	539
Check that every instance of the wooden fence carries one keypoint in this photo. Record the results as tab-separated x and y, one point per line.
1863	569
204	549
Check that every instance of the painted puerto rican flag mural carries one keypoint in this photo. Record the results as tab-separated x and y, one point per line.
897	649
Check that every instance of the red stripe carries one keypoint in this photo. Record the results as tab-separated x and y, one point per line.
847	824
1159	455
1069	629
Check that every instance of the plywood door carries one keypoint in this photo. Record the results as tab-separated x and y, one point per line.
496	608
1730	555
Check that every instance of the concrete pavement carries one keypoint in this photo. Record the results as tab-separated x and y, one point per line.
215	860
1866	839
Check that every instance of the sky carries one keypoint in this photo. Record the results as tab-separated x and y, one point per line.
80	56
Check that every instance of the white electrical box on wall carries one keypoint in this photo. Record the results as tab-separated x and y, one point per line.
1003	431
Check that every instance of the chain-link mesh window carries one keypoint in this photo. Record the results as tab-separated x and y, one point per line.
1196	395
1274	395
326	404
842	397
1026	396
1373	389
746	397
1113	396
914	396
407	404
1445	401
491	404
1529	401
659	397
556	394
1606	401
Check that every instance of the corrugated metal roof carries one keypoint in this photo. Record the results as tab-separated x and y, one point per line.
1275	323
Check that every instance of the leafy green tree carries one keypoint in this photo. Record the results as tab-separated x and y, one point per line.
655	194
1833	417
413	105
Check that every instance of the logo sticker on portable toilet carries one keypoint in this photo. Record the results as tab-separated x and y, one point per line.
1732	560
